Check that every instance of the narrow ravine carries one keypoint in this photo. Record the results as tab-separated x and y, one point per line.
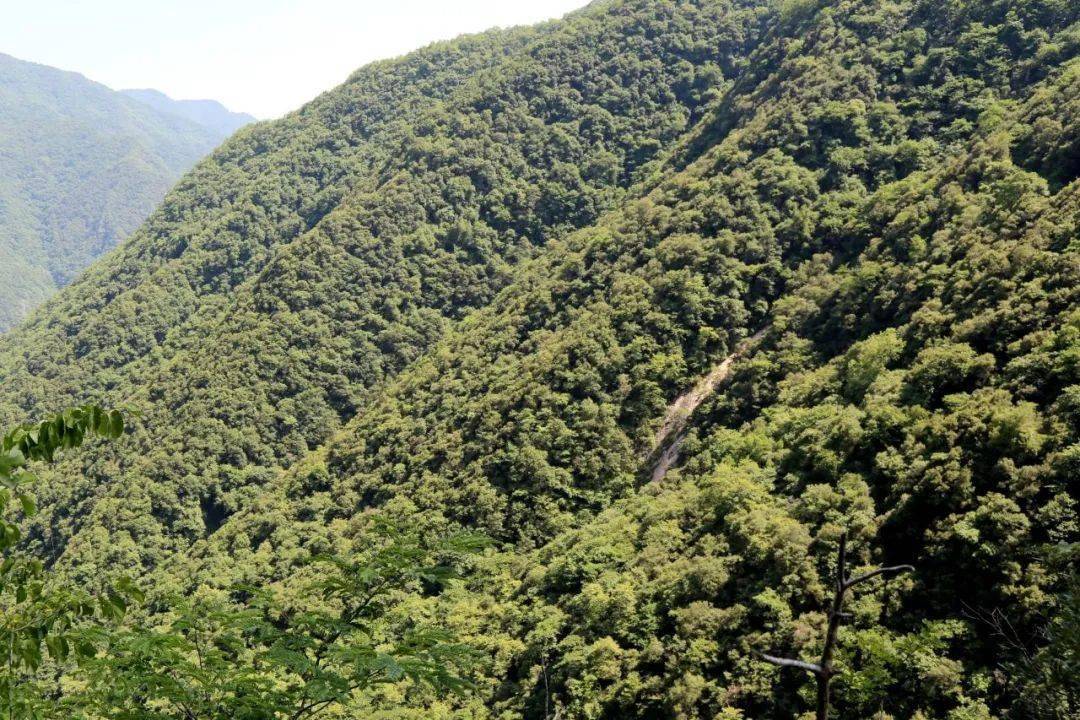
669	438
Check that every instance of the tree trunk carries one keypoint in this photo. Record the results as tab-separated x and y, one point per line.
823	696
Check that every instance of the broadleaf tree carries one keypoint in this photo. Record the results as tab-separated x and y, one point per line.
44	621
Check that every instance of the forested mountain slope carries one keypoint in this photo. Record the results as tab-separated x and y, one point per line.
464	289
81	166
913	260
310	258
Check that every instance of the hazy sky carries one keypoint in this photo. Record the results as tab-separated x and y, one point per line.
264	57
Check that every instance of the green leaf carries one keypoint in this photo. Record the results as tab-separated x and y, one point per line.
58	647
116	424
101	422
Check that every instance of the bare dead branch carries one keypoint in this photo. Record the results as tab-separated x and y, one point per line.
786	662
892	570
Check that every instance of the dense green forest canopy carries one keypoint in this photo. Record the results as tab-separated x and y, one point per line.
81	167
310	259
462	290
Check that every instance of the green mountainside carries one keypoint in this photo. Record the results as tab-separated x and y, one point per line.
81	167
472	287
310	259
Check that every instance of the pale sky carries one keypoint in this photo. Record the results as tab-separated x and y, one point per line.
264	57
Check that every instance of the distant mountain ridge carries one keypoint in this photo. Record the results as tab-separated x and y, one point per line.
208	113
81	166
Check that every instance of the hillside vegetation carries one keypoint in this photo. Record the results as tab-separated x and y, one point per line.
81	167
462	291
281	282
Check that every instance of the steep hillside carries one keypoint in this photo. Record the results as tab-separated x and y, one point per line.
469	287
310	258
208	113
913	264
80	167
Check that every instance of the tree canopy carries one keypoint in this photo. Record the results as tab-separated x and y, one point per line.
462	291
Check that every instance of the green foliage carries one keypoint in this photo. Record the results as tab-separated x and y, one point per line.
40	619
40	443
309	260
1046	669
261	655
254	655
467	286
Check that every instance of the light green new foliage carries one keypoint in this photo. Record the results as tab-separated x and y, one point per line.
40	618
262	655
